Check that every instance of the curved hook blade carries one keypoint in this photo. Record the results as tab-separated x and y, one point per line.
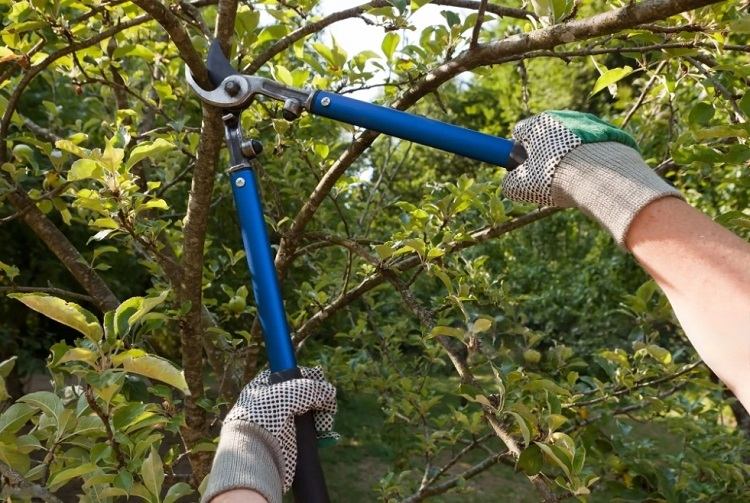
218	65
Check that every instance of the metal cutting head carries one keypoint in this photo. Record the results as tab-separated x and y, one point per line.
236	91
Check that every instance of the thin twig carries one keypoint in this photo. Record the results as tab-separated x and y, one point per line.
644	93
478	24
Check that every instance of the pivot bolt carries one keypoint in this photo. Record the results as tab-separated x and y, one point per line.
325	101
232	88
240	182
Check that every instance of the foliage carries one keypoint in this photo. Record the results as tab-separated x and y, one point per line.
99	430
484	335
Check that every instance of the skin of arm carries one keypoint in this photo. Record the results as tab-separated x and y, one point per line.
704	270
239	496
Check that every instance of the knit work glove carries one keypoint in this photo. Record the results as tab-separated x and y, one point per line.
577	160
258	444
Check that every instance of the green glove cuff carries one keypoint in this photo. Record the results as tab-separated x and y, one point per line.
591	129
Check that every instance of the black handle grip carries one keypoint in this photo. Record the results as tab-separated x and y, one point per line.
309	485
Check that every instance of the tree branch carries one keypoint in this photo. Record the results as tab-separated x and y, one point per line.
471	472
504	50
15	480
180	38
409	262
478	24
64	250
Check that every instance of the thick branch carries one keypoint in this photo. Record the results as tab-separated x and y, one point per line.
227	12
64	250
507	49
180	38
16	481
191	289
283	43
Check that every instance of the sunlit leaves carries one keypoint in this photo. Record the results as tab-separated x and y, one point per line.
389	44
64	312
609	78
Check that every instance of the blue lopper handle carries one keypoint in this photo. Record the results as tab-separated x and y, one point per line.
447	137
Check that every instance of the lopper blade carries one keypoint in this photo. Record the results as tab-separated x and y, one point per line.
218	65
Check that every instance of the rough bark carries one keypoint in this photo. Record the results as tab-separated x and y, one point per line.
64	250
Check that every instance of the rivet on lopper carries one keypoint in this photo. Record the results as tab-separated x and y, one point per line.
232	88
240	182
325	101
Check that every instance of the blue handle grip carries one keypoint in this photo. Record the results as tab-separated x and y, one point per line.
260	260
455	139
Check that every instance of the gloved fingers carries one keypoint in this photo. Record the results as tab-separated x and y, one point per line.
518	185
303	395
314	373
260	380
519	130
324	423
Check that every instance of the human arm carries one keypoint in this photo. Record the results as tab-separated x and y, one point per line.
257	451
577	160
239	496
705	272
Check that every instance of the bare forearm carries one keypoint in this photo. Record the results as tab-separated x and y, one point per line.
705	272
239	496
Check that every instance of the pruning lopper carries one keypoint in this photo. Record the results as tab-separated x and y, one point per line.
233	93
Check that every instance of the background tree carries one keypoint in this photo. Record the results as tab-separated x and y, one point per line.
474	352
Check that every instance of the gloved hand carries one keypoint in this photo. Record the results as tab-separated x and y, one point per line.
577	160
258	446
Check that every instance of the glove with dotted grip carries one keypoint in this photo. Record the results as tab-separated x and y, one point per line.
258	445
577	160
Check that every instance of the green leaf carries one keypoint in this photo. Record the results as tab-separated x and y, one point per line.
60	478
152	473
15	417
555	456
417	4
531	460
123	313
158	368
6	366
159	204
389	44
554	421
741	25
79	355
177	491
384	251
47	402
446	331
744	104
148	150
64	312
659	354
701	114
610	78
481	325
525	431
83	169
721	132
9	270
283	75
147	305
